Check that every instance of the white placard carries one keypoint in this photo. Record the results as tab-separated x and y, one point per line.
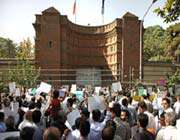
5	135
25	109
61	93
65	87
15	106
18	92
96	102
44	87
12	87
97	90
149	90
72	116
73	88
116	87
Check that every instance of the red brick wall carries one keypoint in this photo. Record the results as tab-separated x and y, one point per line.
75	46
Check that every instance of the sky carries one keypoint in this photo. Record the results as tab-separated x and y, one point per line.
17	16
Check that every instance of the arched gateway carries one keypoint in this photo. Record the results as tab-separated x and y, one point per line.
68	53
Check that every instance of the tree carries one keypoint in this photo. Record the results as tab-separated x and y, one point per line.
174	79
25	49
154	44
173	42
24	73
170	11
7	48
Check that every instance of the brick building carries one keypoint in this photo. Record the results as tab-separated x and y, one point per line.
69	53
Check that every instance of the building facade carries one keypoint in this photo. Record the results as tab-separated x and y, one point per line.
99	55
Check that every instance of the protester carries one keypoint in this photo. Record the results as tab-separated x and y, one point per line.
143	134
46	116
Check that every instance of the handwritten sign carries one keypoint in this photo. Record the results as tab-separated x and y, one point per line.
12	87
73	88
96	102
44	87
116	87
142	91
72	116
61	93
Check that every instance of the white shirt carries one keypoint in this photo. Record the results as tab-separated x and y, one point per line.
151	120
170	133
26	123
169	110
160	134
74	135
177	107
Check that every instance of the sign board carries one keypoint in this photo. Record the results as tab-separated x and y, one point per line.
149	89
116	87
96	102
44	87
72	116
18	92
79	95
12	87
73	88
97	90
61	93
142	91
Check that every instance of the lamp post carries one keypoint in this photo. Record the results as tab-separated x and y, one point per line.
141	39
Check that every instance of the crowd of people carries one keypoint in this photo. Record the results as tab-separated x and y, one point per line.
44	117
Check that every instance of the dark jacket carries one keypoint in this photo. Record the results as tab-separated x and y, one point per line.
143	134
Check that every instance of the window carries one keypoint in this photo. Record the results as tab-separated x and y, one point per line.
50	44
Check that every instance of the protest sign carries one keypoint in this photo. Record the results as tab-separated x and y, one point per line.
73	88
72	116
12	87
18	92
149	89
32	91
142	91
97	90
61	93
6	135
79	95
44	87
96	102
116	87
65	87
68	125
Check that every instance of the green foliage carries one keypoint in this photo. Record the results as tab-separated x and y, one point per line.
7	48
174	79
24	73
170	11
173	42
154	44
25	49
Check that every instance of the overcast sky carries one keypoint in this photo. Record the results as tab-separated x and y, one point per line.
17	16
